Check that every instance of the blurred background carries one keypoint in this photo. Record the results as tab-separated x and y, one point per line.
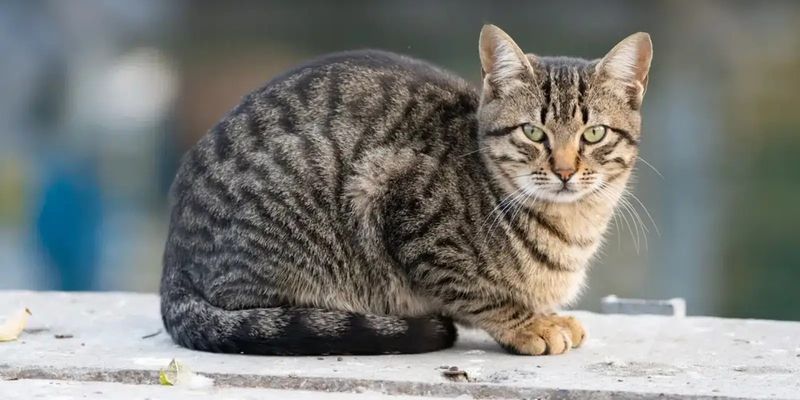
99	99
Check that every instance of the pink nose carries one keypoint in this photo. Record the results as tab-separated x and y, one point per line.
564	173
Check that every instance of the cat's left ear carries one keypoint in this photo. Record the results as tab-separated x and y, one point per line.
629	63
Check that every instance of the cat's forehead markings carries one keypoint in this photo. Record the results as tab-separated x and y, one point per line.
564	88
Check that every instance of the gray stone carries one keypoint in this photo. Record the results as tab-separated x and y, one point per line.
614	305
118	338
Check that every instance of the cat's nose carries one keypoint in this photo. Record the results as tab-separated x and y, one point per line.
565	173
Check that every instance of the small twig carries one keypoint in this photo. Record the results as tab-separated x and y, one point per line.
152	334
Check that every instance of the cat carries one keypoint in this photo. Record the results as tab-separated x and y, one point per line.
364	202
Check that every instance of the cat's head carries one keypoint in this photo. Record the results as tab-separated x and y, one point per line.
559	129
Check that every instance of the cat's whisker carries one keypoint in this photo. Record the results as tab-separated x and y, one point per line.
523	175
637	224
649	216
630	206
634	238
623	211
642	224
616	228
641	233
650	165
602	190
475	151
522	204
498	215
513	203
501	204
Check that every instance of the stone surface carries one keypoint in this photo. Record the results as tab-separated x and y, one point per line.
108	337
69	390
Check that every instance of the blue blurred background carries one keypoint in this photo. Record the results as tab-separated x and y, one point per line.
98	100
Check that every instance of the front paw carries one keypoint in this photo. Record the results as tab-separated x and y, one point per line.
547	334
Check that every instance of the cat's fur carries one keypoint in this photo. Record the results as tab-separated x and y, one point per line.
361	203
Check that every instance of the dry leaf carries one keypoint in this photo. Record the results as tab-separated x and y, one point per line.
13	326
177	374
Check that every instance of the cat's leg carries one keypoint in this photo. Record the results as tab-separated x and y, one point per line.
478	302
517	328
542	334
526	332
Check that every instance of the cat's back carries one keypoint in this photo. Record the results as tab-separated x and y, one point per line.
360	70
354	93
308	132
287	179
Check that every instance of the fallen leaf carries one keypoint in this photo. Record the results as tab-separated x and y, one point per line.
177	374
13	326
169	376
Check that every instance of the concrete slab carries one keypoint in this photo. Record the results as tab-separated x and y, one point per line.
69	390
108	337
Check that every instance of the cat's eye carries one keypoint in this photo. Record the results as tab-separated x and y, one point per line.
533	133
594	134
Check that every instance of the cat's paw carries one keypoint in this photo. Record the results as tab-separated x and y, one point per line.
548	334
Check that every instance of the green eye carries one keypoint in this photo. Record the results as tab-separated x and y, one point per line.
533	133
594	134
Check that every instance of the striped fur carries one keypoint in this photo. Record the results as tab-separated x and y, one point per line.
363	202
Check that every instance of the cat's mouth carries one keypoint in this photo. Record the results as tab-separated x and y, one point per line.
559	192
565	189
563	193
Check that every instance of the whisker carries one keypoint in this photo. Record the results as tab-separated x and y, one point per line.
631	227
652	221
500	205
523	175
637	223
617	223
651	166
616	228
498	217
603	190
521	204
633	209
622	213
475	151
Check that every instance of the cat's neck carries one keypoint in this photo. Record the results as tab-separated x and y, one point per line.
586	219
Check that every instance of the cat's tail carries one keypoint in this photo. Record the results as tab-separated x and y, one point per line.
195	323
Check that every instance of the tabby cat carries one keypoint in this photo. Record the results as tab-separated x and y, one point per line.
366	201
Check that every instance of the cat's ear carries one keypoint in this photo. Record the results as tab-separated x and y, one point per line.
629	63
503	64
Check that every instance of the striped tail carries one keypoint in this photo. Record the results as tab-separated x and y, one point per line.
194	323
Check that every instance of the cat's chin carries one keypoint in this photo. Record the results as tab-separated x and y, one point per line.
558	196
563	196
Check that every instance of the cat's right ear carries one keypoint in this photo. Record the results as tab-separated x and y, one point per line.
503	64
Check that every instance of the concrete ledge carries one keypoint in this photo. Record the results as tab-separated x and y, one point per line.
60	389
107	339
